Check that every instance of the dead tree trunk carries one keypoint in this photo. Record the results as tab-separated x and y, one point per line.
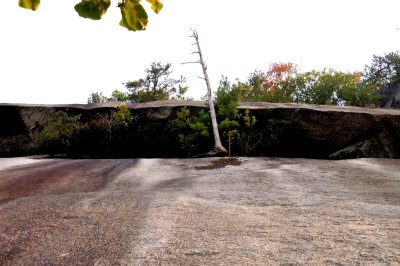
218	148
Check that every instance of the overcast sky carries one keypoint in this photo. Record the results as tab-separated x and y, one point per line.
54	56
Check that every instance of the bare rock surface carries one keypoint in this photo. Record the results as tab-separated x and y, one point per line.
262	211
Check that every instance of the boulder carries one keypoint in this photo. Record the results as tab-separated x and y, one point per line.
289	130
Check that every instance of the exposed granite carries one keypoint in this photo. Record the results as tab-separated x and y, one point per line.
314	131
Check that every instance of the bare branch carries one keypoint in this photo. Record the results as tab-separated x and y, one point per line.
195	34
195	62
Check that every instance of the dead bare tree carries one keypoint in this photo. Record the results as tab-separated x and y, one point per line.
218	148
107	121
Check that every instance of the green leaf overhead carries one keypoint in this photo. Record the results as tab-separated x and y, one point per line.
92	9
155	5
134	16
29	4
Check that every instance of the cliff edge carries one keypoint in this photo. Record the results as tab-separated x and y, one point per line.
288	130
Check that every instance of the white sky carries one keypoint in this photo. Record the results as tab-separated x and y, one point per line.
54	56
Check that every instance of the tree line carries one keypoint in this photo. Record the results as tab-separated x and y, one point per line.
122	132
280	83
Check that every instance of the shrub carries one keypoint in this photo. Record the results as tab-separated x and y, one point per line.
57	135
191	130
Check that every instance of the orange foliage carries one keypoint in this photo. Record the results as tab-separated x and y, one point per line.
276	74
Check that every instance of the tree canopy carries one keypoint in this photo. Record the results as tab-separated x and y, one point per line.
157	85
134	15
284	83
97	97
384	75
384	70
377	86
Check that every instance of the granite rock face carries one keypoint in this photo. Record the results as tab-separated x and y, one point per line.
308	131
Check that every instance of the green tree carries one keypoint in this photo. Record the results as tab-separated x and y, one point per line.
122	117
57	135
118	96
191	130
229	131
384	75
248	139
157	85
359	93
283	83
314	87
227	99
134	15
97	97
237	128
384	70
330	87
250	90
249	120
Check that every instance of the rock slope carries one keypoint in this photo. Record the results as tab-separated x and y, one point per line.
265	211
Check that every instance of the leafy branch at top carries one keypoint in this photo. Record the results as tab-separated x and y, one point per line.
134	16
